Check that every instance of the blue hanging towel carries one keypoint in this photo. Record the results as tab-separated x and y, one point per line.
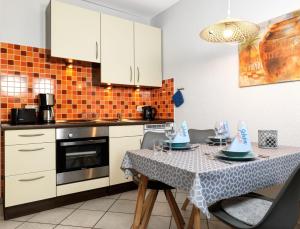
178	98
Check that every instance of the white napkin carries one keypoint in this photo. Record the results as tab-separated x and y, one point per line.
241	142
183	134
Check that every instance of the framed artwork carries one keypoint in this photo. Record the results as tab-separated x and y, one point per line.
274	55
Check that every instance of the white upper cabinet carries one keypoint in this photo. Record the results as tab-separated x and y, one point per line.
148	57
117	50
75	32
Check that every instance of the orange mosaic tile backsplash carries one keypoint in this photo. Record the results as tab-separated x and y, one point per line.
26	71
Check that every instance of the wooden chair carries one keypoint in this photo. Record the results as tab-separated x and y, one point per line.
197	137
156	186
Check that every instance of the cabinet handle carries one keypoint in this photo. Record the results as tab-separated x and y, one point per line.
96	50
138	76
130	73
30	135
30	150
32	179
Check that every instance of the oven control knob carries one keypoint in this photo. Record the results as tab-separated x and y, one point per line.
70	135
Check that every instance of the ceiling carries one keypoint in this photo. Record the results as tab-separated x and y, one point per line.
141	8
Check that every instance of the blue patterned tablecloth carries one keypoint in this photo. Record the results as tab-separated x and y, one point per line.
209	181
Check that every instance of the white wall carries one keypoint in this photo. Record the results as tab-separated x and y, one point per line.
209	72
23	21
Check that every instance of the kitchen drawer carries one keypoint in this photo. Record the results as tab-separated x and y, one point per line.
17	137
29	187
126	131
82	186
20	159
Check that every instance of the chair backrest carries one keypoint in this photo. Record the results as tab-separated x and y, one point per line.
285	209
200	136
149	139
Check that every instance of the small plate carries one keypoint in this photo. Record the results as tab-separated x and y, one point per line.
248	157
217	139
185	147
183	144
234	153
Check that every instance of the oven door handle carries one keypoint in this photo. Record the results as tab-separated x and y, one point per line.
80	154
86	142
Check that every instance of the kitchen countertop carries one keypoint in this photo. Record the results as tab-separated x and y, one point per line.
64	124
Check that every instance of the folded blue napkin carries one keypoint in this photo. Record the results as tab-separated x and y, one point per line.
178	98
183	134
241	142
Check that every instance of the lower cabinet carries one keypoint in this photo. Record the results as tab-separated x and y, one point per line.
29	187
117	149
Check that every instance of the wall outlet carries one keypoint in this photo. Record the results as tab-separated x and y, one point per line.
139	109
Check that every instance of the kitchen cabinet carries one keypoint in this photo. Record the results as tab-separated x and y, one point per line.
130	53
30	173
75	32
117	50
148	55
122	138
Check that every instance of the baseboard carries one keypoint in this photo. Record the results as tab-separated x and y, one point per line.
59	201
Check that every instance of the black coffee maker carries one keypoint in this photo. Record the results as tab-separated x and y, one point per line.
46	108
149	113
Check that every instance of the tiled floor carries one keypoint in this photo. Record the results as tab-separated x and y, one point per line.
111	212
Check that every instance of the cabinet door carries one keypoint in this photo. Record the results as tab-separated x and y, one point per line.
117	150
117	60
148	58
75	32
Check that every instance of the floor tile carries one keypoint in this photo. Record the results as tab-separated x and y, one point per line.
70	227
112	220
73	206
9	224
217	225
161	209
23	218
187	213
123	206
181	191
161	197
54	216
159	222
83	218
131	195
180	198
99	204
203	223
116	196
36	226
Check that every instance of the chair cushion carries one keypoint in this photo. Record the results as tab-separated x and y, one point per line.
246	209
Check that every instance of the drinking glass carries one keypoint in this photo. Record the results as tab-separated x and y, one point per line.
170	132
157	146
220	131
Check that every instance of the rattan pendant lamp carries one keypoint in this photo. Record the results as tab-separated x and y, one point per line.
230	30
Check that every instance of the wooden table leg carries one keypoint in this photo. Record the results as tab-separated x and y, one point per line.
175	210
185	204
140	202
195	219
191	221
197	222
148	210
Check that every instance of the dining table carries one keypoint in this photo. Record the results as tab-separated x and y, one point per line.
205	177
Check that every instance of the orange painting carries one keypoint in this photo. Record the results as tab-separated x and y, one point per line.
274	55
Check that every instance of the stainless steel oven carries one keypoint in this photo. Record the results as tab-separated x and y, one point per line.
81	154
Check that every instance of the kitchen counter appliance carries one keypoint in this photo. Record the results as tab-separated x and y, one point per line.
81	154
21	116
149	113
46	110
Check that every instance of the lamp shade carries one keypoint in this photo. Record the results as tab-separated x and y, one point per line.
230	30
